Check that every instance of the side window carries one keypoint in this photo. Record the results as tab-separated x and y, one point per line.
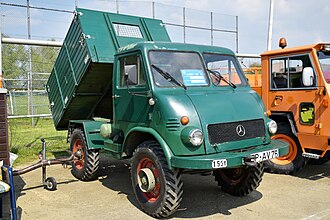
287	72
131	71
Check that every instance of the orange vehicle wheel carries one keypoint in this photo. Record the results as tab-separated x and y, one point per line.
86	162
291	162
293	150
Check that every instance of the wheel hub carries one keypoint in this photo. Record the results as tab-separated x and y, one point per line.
146	180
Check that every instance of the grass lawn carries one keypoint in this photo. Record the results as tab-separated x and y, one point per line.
24	140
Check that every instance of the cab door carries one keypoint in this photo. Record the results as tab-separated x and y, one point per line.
289	93
131	92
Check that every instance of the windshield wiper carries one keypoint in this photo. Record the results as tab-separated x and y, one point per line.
168	76
218	75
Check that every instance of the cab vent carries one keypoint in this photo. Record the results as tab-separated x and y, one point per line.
172	124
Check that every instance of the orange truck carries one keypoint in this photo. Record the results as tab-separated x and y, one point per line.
294	85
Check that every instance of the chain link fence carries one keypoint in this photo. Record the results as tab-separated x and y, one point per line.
26	68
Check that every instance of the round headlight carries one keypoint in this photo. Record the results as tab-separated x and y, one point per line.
272	127
196	137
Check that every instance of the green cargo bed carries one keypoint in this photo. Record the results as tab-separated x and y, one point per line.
80	85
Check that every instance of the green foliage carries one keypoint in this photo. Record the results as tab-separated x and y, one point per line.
16	63
24	140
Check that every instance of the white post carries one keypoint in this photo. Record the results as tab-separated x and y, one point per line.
270	25
30	77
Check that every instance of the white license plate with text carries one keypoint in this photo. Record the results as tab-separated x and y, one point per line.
266	155
219	163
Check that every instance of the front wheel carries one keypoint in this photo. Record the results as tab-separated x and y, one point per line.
86	162
158	189
239	181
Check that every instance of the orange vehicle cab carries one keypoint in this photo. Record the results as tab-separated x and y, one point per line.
295	89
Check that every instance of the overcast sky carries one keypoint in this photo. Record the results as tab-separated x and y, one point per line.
301	22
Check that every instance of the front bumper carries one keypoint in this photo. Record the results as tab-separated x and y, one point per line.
234	159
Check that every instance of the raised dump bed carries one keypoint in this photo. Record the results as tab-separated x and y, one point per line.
80	85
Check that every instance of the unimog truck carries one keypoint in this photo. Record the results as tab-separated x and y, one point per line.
294	86
121	87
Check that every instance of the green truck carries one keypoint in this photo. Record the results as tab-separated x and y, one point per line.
121	87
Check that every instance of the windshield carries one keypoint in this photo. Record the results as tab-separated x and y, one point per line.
177	69
324	59
227	66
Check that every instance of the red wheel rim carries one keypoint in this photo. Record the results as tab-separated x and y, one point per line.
78	146
154	194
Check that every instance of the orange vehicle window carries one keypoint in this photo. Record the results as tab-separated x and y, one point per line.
286	72
325	65
227	66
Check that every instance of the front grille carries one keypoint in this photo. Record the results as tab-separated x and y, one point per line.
233	131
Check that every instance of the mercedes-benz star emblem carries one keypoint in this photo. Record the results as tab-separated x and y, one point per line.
240	130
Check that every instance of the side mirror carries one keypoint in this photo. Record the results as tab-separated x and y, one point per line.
126	77
308	76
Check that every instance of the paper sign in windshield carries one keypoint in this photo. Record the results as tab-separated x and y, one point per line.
193	77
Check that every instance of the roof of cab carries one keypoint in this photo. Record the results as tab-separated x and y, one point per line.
293	49
149	45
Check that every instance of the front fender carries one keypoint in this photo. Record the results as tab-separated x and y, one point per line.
166	149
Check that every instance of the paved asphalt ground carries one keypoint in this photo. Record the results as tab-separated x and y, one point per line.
305	195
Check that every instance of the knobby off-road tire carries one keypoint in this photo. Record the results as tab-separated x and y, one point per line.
166	196
293	161
239	181
85	167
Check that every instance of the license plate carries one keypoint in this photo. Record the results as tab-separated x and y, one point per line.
266	155
219	163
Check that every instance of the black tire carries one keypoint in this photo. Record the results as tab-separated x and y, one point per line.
166	196
50	184
239	181
293	161
85	167
320	161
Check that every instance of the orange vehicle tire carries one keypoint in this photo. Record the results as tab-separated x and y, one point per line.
239	181
86	162
291	162
157	188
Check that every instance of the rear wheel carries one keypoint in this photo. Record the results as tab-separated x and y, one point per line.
86	162
157	188
291	162
239	181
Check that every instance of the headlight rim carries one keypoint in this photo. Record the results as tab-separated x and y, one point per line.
191	137
272	127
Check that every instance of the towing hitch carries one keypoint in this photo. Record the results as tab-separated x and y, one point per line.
50	182
250	161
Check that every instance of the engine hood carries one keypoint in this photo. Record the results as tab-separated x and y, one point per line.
231	107
207	107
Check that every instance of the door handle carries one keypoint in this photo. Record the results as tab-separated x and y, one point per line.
278	100
116	96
